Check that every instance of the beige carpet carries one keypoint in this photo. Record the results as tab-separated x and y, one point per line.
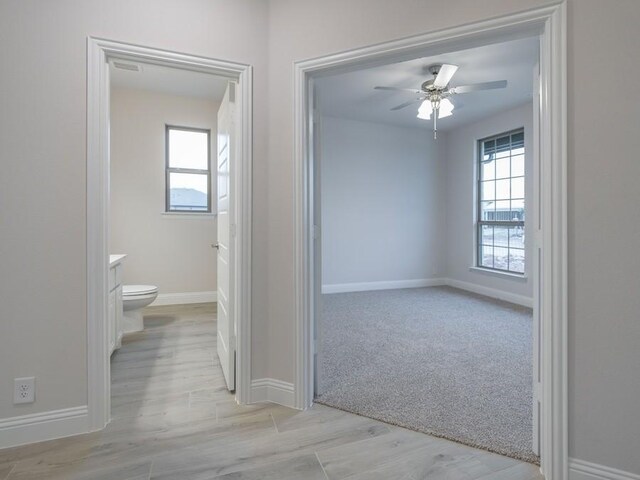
438	360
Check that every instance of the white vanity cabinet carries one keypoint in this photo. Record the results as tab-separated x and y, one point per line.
115	312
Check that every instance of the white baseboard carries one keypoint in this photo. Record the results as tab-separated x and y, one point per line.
184	298
429	282
384	285
272	390
581	470
491	292
38	427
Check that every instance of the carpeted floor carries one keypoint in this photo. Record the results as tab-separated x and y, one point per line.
438	360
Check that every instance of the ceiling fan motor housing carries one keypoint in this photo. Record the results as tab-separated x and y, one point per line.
428	85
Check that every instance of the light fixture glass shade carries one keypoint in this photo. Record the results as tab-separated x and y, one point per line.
445	110
424	112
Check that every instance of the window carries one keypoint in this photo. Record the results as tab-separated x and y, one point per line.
188	170
500	235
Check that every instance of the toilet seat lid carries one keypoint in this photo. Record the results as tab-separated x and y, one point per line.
138	289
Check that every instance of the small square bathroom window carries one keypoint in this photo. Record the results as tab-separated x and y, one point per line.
188	169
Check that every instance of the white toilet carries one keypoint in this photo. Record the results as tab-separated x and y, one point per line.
134	299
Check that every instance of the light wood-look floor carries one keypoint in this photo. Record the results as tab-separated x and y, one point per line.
173	419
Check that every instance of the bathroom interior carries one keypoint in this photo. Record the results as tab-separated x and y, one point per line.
162	220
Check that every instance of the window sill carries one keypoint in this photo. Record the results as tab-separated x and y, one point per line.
189	214
496	273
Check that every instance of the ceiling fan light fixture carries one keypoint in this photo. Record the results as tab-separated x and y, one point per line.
426	109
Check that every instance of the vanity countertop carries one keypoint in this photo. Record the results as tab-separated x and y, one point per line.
116	259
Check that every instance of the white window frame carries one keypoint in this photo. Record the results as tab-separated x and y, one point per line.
479	222
169	170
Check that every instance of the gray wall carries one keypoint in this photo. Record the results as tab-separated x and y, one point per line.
171	251
383	203
461	160
43	213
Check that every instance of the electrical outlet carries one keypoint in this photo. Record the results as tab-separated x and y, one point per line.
24	390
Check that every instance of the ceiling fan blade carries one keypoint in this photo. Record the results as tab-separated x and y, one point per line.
444	75
399	89
479	86
406	104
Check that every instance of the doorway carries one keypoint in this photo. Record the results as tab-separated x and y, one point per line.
549	200
238	205
425	313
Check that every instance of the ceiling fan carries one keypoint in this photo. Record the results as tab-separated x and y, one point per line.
434	93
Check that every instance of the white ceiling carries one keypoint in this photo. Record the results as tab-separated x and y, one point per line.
169	80
351	95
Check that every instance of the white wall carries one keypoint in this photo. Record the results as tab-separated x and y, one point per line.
171	251
43	116
382	193
461	160
43	214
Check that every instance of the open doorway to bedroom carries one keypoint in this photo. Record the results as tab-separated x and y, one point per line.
425	262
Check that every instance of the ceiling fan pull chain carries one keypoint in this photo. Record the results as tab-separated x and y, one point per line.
436	112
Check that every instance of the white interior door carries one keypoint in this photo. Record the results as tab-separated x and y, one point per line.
226	320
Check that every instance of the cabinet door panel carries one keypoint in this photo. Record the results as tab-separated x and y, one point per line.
111	327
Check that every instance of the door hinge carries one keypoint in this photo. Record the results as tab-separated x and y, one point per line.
232	229
316	232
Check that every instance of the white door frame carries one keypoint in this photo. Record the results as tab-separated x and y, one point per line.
99	52
549	23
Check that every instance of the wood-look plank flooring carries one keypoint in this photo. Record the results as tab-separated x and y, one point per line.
172	418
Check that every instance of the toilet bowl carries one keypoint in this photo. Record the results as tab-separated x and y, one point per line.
134	299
